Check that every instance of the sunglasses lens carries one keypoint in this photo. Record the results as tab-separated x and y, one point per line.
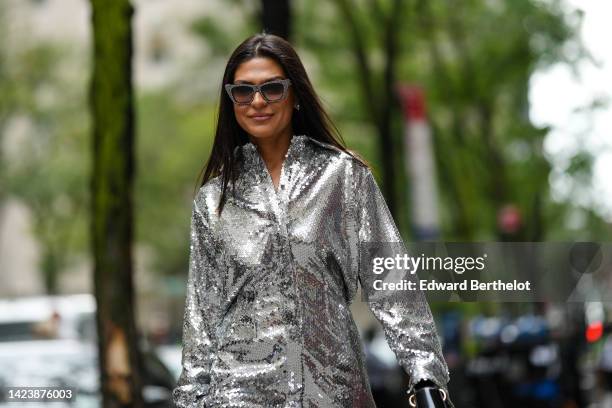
242	94
273	92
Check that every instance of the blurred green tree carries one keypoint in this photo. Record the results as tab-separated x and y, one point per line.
489	153
475	60
5	104
175	138
376	81
45	168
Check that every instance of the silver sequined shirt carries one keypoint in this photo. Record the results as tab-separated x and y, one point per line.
267	319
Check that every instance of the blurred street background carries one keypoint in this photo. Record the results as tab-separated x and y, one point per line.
484	120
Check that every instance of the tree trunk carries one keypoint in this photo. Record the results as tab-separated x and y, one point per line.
111	101
276	17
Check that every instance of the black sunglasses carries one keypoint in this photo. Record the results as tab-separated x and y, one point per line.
272	91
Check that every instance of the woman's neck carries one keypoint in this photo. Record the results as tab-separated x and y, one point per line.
273	150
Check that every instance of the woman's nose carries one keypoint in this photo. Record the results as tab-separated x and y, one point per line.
258	99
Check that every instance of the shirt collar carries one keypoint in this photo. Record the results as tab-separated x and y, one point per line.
249	148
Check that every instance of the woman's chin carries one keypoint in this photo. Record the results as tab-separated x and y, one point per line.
261	133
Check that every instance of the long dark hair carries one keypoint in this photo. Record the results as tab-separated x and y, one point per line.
311	119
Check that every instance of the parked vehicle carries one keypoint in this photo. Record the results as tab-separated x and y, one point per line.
51	342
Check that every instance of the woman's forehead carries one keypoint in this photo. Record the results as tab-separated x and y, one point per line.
258	70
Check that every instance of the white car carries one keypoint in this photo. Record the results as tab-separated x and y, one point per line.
51	342
48	317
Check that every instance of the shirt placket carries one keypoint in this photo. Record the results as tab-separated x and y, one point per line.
279	204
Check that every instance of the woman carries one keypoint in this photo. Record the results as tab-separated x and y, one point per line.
275	235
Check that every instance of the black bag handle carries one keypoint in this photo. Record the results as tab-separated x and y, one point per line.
427	395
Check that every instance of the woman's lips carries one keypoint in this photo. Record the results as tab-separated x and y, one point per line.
261	118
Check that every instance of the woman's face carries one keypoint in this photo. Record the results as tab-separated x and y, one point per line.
256	71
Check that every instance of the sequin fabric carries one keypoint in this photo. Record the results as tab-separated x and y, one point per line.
267	319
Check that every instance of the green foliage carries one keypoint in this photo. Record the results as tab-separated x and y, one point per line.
24	77
174	143
219	36
487	52
474	59
48	172
220	43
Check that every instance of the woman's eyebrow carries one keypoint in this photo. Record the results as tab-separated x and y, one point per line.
240	81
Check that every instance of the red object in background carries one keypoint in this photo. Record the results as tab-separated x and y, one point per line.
594	331
413	101
419	163
509	219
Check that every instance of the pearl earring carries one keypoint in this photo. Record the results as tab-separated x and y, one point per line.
297	106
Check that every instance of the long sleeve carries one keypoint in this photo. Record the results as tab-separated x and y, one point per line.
405	315
201	315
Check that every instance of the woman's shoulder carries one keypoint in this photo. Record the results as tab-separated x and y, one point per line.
207	196
348	158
